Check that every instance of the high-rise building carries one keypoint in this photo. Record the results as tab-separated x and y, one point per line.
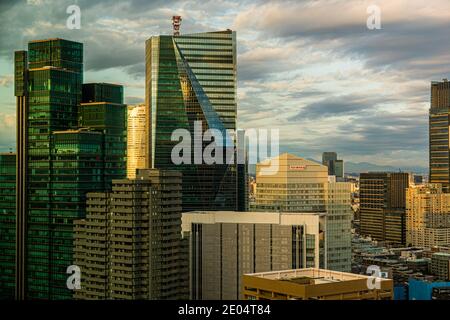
314	284
302	185
102	110
136	139
48	89
383	205
129	245
191	86
64	150
7	224
339	224
439	148
440	265
224	245
427	216
335	166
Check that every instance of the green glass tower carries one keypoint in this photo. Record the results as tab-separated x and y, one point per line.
7	224
102	110
192	78
63	152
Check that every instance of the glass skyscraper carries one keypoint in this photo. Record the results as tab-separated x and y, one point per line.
7	224
439	121
64	150
192	78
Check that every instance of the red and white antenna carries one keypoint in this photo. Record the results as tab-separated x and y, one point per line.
176	23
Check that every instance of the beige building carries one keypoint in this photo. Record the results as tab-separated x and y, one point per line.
314	284
301	185
129	245
427	216
224	245
136	140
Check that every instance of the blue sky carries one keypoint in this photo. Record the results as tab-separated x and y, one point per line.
309	68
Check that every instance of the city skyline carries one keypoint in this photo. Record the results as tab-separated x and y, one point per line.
371	97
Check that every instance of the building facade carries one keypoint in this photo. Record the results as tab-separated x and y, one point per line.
383	205
301	185
136	139
225	245
129	245
335	166
64	150
439	147
440	265
7	224
314	284
191	86
427	216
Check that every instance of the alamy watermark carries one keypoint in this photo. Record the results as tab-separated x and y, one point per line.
74	20
214	146
374	20
375	277
74	280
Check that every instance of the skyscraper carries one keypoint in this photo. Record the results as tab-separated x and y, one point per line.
302	185
136	139
48	90
383	204
7	224
129	245
439	148
64	150
335	166
102	110
191	85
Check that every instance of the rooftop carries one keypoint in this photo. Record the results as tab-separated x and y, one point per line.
311	276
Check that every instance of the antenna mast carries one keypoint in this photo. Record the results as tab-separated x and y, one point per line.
176	23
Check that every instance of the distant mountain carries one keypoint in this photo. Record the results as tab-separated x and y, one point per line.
358	167
352	167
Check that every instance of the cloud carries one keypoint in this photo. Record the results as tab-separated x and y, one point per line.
6	80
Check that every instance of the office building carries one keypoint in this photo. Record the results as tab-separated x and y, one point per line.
224	245
64	150
339	225
335	166
440	265
7	224
129	245
48	90
439	147
191	86
136	139
427	216
314	284
102	110
301	185
383	206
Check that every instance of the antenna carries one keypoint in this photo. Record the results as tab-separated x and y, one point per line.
176	23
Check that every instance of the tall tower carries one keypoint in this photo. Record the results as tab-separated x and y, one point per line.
192	79
136	135
439	148
383	205
65	148
48	90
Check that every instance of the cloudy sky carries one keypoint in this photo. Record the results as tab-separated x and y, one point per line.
310	68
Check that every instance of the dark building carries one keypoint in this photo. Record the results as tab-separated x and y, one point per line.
57	161
335	166
439	158
7	224
383	206
191	85
129	245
